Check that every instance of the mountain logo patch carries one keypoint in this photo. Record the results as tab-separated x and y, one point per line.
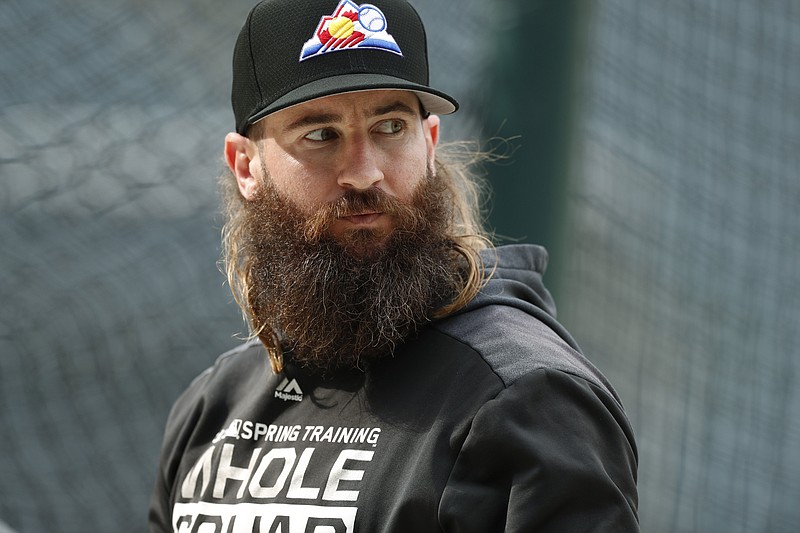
350	27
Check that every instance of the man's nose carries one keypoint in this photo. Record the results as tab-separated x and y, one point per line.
361	168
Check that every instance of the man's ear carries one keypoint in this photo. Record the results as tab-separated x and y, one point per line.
239	153
431	136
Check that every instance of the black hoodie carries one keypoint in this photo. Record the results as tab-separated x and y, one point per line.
488	420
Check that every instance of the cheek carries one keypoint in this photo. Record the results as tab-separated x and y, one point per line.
406	178
296	184
300	192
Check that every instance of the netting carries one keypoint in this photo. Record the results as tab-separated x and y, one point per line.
683	281
112	115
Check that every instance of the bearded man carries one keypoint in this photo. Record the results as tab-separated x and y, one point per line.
403	373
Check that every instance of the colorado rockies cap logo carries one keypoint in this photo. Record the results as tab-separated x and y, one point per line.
351	26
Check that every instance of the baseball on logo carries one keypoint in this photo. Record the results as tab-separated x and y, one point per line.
371	18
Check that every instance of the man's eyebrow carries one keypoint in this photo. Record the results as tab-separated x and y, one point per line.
392	108
313	120
319	119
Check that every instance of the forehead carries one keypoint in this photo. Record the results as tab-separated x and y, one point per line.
352	104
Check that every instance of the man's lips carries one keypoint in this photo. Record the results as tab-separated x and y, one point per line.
362	218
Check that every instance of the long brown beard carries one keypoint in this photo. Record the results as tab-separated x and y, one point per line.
340	302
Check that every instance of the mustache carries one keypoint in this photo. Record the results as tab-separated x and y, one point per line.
353	202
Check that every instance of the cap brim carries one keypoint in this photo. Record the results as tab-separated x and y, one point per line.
433	101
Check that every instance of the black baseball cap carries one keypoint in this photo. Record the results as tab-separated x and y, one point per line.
292	51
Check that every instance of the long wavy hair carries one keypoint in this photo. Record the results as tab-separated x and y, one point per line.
457	165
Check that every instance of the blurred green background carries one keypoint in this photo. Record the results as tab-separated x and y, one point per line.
654	152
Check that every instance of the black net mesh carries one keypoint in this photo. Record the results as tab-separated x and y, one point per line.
684	238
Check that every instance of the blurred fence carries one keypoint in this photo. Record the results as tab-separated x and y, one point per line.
683	239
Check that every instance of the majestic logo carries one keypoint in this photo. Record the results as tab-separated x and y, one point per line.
350	26
289	390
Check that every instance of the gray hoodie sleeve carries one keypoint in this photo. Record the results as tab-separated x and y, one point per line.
552	452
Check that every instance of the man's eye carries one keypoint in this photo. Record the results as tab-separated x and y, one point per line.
322	134
390	126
